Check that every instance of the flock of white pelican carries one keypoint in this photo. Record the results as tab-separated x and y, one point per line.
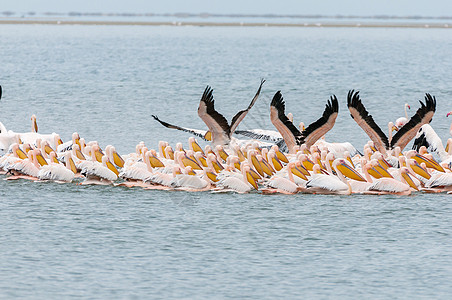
293	159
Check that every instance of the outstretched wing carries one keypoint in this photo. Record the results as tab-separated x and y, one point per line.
320	127
359	113
215	121
423	116
260	134
291	135
241	114
196	132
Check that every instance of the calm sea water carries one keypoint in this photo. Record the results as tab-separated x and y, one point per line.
67	241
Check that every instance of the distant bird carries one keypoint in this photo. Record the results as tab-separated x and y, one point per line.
402	120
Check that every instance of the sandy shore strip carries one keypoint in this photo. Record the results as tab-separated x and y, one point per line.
226	24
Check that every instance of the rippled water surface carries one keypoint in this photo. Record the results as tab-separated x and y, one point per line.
68	241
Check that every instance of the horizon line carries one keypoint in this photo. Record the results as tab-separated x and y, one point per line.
237	15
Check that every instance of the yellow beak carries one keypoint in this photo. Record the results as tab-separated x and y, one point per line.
308	164
41	159
112	168
187	161
281	157
171	154
79	155
251	180
196	148
349	172
99	154
21	154
409	181
162	151
420	171
35	125
203	161
374	173
48	149
267	168
428	162
223	155
277	164
217	166
240	155
295	171
208	136
155	162
350	161
254	174
257	165
384	163
117	159
383	171
212	176
72	164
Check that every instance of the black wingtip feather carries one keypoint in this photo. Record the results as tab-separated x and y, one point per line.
278	101
353	101
207	96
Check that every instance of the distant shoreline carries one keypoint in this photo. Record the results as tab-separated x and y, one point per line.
227	24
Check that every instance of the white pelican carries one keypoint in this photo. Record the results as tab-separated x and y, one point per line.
439	182
216	122
67	146
191	183
386	185
427	137
14	155
25	168
58	172
291	135
359	113
98	173
34	124
236	184
279	184
114	156
329	184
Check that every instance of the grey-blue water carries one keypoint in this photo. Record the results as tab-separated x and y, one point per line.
62	241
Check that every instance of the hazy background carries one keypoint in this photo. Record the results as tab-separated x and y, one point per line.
326	7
